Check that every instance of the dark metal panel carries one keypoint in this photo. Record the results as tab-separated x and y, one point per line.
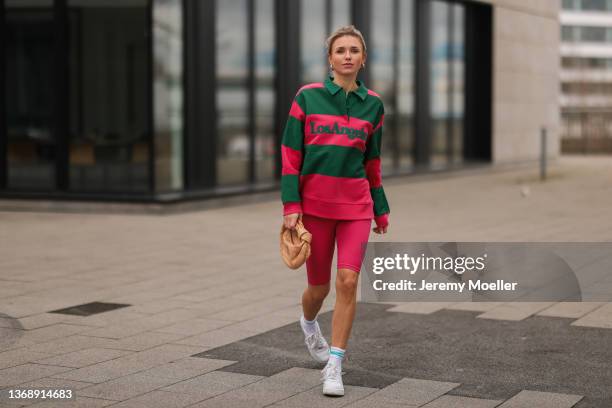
150	99
3	124
200	94
422	112
360	14
478	82
251	128
61	108
288	69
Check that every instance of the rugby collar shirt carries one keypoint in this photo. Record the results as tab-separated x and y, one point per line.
331	154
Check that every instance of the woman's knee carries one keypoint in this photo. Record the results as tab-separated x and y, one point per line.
346	280
318	292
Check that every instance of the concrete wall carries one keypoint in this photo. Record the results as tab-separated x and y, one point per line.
526	67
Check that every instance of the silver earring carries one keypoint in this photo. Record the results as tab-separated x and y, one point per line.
363	65
331	67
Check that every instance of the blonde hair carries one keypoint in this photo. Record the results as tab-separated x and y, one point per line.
345	30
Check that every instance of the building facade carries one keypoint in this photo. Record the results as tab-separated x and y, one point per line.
586	76
164	100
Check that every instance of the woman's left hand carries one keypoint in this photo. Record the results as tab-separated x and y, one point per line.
380	230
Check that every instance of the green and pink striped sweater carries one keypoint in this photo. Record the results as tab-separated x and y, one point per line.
331	154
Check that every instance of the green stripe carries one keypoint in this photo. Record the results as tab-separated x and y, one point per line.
290	188
332	160
373	145
293	135
381	206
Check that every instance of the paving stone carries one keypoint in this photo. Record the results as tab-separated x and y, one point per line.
27	372
531	399
267	391
515	310
187	368
125	387
411	392
474	306
216	338
573	310
70	344
255	309
79	402
160	399
49	382
600	317
314	398
19	356
194	326
83	357
59	330
108	370
420	307
213	383
145	340
455	401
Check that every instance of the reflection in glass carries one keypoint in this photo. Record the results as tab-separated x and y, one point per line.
313	36
440	43
264	92
168	93
108	149
31	144
457	65
232	93
405	100
380	63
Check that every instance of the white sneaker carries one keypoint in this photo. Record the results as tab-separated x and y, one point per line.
317	346
332	380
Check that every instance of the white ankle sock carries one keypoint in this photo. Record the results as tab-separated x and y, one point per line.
336	355
309	326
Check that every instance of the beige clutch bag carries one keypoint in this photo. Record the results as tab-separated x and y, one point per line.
295	244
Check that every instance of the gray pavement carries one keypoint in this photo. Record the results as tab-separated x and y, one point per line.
207	291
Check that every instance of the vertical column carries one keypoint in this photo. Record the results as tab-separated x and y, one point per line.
288	66
62	93
360	13
3	124
200	112
422	82
478	82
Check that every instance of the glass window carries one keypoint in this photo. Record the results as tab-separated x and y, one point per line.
405	83
264	95
313	35
567	33
380	62
168	93
30	93
593	34
109	143
232	93
440	97
568	4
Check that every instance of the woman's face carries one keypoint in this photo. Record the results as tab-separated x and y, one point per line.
347	55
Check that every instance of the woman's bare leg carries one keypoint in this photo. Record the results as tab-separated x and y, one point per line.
344	312
312	299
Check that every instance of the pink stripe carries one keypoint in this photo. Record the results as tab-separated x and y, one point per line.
337	190
371	92
382	119
292	208
313	121
310	86
292	160
296	111
382	220
372	168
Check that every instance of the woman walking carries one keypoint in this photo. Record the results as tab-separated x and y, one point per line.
331	179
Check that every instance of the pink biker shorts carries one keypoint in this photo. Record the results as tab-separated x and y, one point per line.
350	235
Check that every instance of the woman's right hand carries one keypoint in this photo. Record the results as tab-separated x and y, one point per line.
290	220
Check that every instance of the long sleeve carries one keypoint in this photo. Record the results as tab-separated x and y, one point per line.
292	148
373	171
